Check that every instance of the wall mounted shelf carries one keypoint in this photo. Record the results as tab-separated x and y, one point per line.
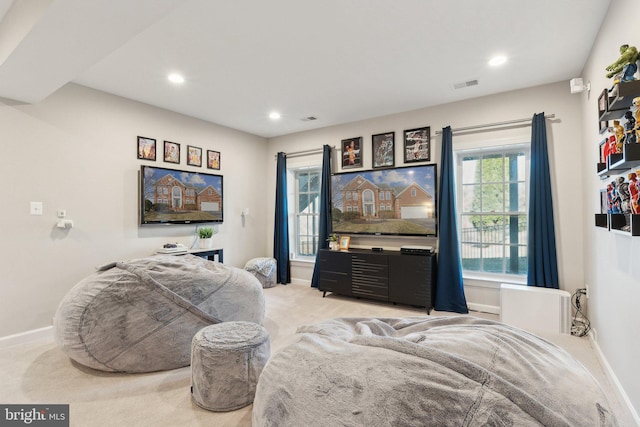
613	104
618	100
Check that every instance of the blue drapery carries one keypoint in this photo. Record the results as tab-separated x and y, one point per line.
543	265
449	286
325	210
281	224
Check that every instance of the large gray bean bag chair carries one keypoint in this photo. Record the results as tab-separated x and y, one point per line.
447	371
141	315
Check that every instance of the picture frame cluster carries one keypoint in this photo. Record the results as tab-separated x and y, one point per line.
147	149
416	148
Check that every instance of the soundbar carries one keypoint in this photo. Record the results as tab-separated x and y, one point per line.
416	250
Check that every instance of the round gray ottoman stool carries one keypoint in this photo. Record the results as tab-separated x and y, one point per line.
226	361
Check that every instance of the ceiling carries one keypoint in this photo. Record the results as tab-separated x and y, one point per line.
336	60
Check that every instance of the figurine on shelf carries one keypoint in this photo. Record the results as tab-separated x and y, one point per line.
625	65
623	193
611	147
609	198
630	128
636	103
619	130
616	200
634	193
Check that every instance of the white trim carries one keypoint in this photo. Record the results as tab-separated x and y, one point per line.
483	308
26	337
614	379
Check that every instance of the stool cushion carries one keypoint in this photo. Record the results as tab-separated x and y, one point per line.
264	269
141	315
226	361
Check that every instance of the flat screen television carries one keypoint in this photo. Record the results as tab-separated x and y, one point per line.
398	201
169	196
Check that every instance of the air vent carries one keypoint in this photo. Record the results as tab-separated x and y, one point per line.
465	84
308	119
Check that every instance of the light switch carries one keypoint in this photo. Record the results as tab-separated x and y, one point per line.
36	208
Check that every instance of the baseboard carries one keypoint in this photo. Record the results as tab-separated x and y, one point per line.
483	308
300	281
26	337
614	380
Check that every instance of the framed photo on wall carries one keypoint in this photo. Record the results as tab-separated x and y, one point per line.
383	147
352	153
171	152
213	159
194	156
146	148
417	145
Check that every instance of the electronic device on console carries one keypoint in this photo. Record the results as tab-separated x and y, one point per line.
172	248
416	250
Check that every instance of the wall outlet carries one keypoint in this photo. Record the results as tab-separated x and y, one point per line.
36	208
586	290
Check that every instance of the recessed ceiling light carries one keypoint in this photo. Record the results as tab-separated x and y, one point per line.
175	78
497	60
274	116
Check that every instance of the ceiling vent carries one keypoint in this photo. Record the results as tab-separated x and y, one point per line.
308	119
465	84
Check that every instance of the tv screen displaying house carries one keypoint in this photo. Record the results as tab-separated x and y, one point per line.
394	201
170	196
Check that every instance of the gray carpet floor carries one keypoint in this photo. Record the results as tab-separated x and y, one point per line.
38	372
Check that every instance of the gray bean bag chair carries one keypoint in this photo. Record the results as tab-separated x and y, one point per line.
141	315
264	269
418	371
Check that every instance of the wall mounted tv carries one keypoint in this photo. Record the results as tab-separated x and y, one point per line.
169	196
397	201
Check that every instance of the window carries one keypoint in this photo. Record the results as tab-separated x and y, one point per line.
493	207
307	211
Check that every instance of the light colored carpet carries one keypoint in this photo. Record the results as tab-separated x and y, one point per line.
38	372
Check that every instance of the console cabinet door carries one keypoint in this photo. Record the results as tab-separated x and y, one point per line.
411	280
370	276
335	272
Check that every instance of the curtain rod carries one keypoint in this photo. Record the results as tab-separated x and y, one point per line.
509	122
304	153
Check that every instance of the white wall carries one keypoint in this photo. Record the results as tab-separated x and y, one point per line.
564	147
76	150
612	267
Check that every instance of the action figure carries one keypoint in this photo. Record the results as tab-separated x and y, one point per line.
619	130
630	128
636	103
625	65
634	193
623	193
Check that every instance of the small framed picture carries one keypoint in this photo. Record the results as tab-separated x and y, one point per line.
417	145
604	202
603	104
383	150
603	151
194	156
213	159
146	148
344	243
171	152
352	153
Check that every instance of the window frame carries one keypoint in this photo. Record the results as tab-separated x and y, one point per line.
294	238
507	147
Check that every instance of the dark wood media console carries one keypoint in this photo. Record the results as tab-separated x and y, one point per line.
388	276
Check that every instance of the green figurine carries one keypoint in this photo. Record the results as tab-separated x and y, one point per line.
626	64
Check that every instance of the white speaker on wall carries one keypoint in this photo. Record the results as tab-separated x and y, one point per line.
578	86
